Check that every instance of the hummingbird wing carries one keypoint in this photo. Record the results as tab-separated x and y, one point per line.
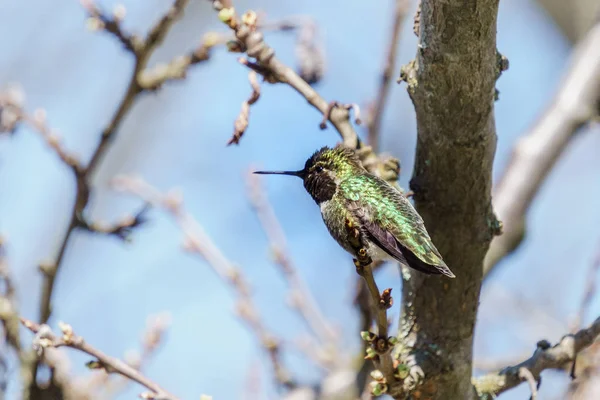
393	224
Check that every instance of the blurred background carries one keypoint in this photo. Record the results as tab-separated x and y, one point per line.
107	289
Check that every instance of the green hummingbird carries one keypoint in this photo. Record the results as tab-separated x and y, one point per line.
366	215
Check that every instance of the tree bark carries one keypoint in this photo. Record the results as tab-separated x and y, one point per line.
452	84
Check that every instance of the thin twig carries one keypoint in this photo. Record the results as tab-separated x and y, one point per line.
153	78
302	299
310	56
380	302
199	243
45	338
153	337
535	154
545	357
241	122
9	313
111	24
376	113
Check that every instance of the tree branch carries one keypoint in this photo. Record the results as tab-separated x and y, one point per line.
536	153
154	335
252	42
142	51
452	84
376	113
302	300
381	345
544	357
241	122
199	243
45	338
9	313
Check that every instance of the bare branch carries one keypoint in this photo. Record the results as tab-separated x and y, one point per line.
45	338
199	243
252	41
98	20
159	31
154	335
9	314
152	79
536	153
545	357
142	51
381	345
121	229
376	112
38	122
302	299
310	56
241	122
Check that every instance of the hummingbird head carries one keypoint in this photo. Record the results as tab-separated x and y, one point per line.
324	170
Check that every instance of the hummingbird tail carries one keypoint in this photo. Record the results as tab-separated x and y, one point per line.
416	263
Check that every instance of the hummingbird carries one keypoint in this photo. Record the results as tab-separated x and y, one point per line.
366	215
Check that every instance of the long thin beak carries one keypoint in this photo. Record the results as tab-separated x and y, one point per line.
299	174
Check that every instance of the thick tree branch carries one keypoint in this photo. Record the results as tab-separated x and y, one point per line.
376	112
45	338
545	357
452	84
536	153
199	243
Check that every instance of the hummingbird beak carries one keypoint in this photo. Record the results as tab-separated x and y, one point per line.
299	174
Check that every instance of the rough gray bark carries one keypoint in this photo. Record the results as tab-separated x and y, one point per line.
452	85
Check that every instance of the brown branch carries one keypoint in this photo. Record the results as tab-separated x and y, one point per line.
310	56
9	313
154	335
45	338
252	41
536	153
302	300
142	51
241	122
38	123
142	54
545	357
199	243
376	113
381	346
121	229
152	79
98	20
